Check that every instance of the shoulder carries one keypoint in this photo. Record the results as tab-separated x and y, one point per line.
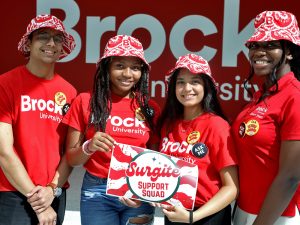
214	121
11	75
83	97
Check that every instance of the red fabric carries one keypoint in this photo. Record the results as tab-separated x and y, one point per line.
124	45
121	125
194	63
276	25
27	103
214	133
48	21
279	120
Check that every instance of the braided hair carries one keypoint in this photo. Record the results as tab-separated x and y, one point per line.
100	105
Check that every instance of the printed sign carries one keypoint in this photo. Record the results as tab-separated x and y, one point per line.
151	176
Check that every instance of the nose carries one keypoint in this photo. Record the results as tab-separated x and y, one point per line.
51	41
187	87
127	72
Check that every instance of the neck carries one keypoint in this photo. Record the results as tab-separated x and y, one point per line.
192	113
45	71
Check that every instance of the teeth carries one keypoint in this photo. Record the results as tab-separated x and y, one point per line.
261	62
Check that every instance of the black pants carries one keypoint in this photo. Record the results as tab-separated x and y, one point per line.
15	210
222	217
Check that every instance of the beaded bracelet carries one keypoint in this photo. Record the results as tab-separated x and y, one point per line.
85	148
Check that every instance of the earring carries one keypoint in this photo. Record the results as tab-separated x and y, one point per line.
289	57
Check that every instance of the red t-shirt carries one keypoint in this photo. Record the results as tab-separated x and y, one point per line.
122	125
218	152
33	106
269	122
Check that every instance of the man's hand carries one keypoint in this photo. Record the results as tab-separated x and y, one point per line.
40	198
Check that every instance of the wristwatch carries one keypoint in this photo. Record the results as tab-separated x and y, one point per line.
56	190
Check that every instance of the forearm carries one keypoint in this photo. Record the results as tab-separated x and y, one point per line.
276	201
219	201
16	173
63	172
76	157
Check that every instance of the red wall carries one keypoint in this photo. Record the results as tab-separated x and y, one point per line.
215	29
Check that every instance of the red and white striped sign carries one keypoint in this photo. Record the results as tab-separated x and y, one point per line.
151	176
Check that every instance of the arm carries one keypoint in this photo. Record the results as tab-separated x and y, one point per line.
15	171
10	163
227	193
75	156
40	197
284	185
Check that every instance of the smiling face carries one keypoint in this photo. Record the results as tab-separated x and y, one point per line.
125	72
189	90
45	45
265	56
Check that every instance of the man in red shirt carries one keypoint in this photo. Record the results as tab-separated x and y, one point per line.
33	100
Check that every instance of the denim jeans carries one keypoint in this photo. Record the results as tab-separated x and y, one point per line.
97	208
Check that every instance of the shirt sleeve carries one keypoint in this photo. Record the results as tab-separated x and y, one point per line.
223	149
77	115
290	124
6	107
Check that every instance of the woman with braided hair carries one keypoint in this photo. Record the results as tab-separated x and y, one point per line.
117	110
267	131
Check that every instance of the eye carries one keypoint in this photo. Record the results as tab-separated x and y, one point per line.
253	45
179	82
58	38
118	66
273	45
136	68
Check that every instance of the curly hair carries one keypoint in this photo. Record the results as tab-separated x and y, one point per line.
100	105
173	109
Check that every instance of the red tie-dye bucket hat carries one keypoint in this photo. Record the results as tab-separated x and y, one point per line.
124	45
47	21
275	25
194	63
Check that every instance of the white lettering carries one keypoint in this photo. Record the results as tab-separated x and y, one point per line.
29	104
185	24
72	11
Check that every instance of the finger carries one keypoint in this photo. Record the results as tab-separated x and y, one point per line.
103	136
33	191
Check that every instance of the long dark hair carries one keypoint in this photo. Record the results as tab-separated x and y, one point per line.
101	102
272	77
173	109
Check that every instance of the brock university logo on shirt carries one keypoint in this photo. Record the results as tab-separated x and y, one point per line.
48	109
151	176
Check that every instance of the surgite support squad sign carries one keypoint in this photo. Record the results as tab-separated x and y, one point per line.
151	176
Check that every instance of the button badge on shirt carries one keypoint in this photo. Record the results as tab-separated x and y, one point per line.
249	128
60	98
193	137
199	150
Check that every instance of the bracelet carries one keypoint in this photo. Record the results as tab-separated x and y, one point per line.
191	217
85	148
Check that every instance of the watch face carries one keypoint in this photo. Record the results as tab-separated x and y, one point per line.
57	191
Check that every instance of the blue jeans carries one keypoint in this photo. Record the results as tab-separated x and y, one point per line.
97	208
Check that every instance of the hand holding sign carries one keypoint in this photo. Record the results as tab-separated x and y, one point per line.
150	176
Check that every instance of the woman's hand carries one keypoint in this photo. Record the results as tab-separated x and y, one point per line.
101	142
134	203
176	213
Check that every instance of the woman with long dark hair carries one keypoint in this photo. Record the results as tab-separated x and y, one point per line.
194	129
